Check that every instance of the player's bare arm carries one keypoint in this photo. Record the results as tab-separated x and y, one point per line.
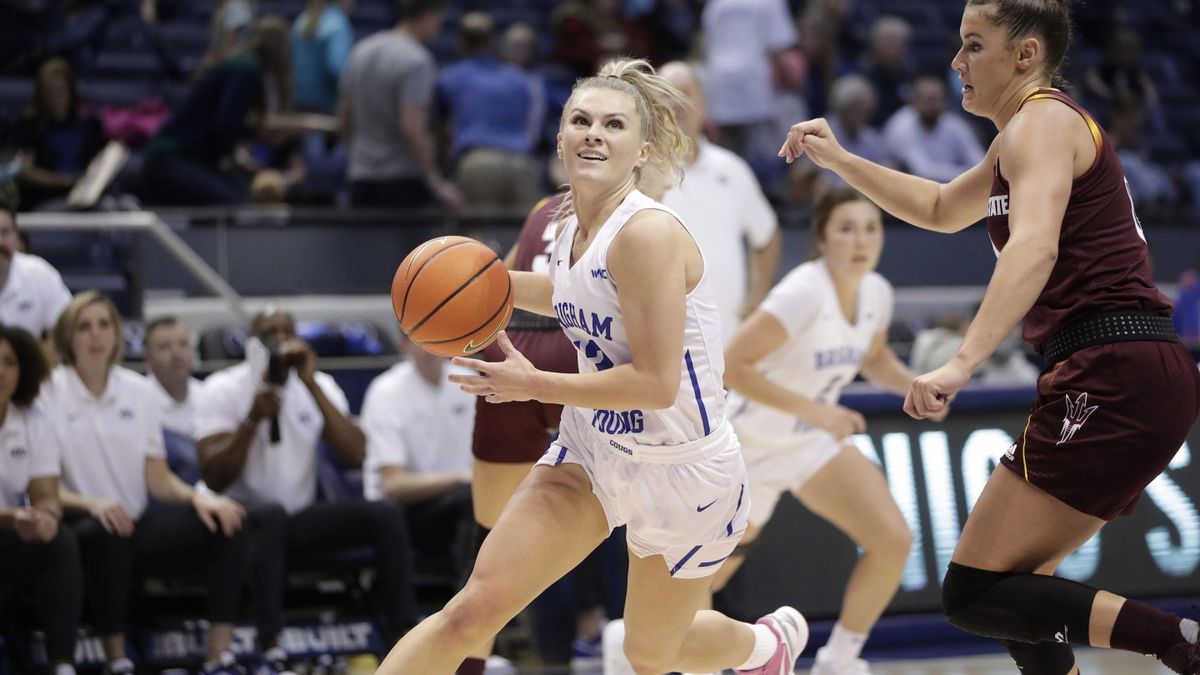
648	263
946	208
1038	154
760	335
532	291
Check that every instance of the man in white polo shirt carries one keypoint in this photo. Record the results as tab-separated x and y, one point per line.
169	354
275	474
721	201
419	427
36	552
32	292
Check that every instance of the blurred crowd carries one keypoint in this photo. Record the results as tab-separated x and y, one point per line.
456	104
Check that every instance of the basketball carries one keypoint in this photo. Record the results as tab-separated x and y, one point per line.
452	295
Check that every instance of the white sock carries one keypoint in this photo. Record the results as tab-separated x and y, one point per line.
613	641
844	645
765	644
64	669
1190	630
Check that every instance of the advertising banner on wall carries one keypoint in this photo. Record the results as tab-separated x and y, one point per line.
935	473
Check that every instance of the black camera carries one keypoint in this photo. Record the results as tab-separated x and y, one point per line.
278	365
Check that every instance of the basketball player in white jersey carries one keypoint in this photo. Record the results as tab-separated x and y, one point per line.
822	325
643	439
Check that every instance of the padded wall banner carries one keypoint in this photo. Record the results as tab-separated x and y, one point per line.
936	472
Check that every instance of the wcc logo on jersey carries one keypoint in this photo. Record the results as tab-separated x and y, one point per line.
1077	413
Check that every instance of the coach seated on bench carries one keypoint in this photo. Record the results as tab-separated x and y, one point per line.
418	427
259	423
109	430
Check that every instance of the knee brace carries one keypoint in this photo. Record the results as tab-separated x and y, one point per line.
1022	607
1048	658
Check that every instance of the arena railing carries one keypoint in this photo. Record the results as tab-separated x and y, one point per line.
144	222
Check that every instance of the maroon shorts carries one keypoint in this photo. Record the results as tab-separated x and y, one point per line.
520	432
1107	421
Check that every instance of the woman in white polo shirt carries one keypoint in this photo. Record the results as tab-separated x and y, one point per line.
111	438
34	551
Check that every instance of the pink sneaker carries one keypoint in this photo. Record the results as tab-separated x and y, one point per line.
791	630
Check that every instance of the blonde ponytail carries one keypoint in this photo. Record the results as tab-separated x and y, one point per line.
654	99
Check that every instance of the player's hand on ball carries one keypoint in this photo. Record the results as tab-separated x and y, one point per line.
813	138
502	381
839	421
930	394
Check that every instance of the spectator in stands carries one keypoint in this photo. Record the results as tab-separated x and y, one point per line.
1150	185
170	355
488	108
418	426
387	92
823	58
228	31
32	292
852	105
36	553
108	427
519	47
259	445
927	140
889	65
1187	309
735	226
1121	75
56	139
321	42
586	31
193	158
745	44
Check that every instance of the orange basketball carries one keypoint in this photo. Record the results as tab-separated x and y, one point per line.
452	295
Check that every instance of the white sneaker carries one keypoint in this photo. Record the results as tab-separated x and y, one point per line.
824	665
498	665
791	630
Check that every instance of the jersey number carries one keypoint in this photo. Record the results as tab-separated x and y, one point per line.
1133	212
593	353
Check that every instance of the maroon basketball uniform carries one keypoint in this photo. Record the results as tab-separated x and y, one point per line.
519	432
1108	418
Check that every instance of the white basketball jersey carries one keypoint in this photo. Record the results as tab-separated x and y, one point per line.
823	351
585	300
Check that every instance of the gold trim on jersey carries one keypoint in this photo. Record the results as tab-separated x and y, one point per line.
1024	440
1043	92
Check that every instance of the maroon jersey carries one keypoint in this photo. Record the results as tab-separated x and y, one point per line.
1103	263
519	432
540	339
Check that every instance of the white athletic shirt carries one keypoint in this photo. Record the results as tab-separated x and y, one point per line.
585	300
28	450
725	208
420	427
106	441
34	294
823	351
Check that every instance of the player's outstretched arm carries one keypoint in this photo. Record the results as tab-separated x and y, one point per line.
532	292
933	206
647	262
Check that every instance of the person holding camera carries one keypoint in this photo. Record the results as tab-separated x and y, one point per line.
110	434
35	551
259	424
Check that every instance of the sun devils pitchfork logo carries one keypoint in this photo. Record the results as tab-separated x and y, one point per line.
1077	413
